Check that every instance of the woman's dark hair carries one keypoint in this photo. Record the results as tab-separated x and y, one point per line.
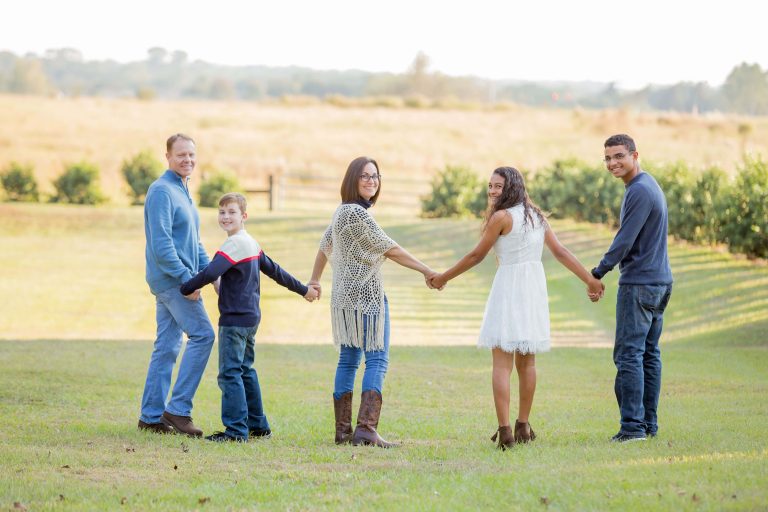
350	191
513	194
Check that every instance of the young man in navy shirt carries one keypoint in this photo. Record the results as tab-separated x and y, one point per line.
645	286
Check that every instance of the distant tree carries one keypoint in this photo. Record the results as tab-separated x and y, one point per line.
179	57
78	185
157	55
215	186
19	183
29	77
746	89
418	75
139	172
456	192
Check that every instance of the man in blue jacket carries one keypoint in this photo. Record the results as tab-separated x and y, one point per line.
645	285
174	254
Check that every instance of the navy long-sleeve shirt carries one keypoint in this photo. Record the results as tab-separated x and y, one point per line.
640	246
239	263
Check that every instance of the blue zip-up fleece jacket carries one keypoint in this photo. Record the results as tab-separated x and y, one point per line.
239	263
174	251
640	246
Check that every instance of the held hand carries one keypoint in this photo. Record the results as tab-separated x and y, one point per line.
316	285
313	293
595	290
195	295
437	281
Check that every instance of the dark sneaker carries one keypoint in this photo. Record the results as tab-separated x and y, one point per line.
158	428
260	433
627	438
650	434
221	437
182	424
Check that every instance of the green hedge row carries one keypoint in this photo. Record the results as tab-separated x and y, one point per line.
704	206
79	183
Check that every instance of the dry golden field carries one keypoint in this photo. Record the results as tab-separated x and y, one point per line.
253	139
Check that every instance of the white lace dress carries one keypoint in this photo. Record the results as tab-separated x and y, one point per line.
516	316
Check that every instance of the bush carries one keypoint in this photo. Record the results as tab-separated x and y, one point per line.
19	183
216	186
744	207
139	172
572	189
78	185
456	192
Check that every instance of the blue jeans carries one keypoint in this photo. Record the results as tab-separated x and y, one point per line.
241	406
639	319
376	362
176	315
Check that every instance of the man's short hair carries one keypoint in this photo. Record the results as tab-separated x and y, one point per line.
621	139
234	197
173	138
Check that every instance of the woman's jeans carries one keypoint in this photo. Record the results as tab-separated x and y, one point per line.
241	407
376	362
176	315
639	319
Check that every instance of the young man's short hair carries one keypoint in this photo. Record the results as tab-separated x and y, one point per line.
234	197
621	139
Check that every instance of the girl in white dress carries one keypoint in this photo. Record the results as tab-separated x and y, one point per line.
516	320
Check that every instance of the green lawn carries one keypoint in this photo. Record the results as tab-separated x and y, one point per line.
77	324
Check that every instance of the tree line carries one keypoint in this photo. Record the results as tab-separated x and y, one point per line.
171	75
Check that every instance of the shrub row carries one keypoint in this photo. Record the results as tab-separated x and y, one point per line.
79	183
704	206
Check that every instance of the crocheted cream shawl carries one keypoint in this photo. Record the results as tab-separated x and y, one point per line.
355	245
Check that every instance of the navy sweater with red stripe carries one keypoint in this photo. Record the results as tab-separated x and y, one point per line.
240	262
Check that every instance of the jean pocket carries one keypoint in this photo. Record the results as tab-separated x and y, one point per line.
652	297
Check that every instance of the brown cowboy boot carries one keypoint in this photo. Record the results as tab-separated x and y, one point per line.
523	432
181	424
506	439
343	410
368	420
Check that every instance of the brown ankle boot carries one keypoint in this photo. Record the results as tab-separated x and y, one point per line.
368	420
343	410
506	439
523	432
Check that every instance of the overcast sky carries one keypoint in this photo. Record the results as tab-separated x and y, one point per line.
631	43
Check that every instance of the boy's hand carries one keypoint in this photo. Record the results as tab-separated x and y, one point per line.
316	284
313	293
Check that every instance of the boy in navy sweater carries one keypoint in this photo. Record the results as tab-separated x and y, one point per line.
238	263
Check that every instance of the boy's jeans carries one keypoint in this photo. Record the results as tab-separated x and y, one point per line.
241	406
376	362
176	315
639	319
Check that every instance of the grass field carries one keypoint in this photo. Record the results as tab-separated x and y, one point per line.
77	327
253	140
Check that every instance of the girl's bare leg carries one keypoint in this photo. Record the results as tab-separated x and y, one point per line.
526	374
502	370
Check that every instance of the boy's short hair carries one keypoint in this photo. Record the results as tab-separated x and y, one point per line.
234	197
